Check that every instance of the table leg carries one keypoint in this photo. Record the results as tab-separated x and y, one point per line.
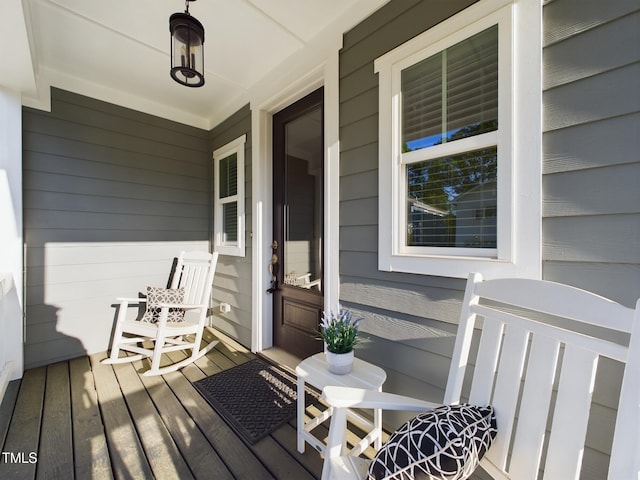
377	422
300	411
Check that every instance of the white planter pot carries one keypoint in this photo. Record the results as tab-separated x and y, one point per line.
340	363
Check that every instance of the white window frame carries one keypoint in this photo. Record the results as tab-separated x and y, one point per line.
519	140
220	245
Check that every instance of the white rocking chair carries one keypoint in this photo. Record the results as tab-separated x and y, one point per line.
192	282
538	377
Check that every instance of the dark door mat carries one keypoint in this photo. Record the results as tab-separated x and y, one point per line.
254	398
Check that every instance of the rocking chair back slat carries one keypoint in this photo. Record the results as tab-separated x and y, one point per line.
570	419
191	284
506	390
486	362
176	274
536	398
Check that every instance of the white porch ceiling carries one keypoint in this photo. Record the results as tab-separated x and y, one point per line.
118	50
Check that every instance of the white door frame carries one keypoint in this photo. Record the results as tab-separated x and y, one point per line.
291	88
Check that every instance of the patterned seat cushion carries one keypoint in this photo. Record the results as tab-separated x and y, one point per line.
156	296
446	443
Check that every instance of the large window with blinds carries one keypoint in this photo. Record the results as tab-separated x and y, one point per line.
446	98
449	148
228	214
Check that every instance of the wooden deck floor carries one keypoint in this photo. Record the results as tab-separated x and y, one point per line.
85	420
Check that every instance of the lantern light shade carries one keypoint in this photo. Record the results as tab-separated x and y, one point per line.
187	49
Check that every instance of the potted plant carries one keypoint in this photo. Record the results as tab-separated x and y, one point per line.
339	333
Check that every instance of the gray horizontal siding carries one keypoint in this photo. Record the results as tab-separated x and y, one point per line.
232	284
438	303
408	326
598	239
591	201
359	160
563	20
582	146
609	94
111	196
607	50
593	191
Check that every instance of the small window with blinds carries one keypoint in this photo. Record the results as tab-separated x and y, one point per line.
229	198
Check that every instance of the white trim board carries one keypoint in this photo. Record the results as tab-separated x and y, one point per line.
290	88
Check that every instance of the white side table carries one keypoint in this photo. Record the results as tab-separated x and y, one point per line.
314	371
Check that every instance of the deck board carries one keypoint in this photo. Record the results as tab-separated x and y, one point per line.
84	419
128	459
6	409
55	453
204	461
158	443
91	454
24	430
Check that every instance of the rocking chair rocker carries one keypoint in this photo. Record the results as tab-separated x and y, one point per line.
171	315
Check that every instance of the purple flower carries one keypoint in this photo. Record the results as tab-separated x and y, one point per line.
339	331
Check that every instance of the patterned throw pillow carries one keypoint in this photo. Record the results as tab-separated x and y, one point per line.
445	444
156	296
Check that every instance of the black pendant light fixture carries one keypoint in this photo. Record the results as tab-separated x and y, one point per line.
187	48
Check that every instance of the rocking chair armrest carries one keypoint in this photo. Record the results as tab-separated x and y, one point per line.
181	306
345	397
131	300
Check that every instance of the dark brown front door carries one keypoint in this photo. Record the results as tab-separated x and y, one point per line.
298	161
